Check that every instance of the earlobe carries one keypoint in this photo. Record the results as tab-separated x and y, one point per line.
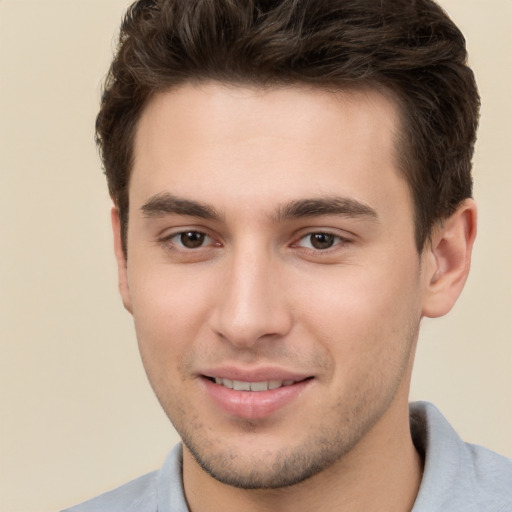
447	260
122	268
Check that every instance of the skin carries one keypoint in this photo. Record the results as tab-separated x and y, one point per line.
258	291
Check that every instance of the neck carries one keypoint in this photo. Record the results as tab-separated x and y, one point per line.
383	472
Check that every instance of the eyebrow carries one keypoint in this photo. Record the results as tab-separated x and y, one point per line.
163	204
343	206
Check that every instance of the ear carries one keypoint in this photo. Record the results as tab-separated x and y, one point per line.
122	265
447	260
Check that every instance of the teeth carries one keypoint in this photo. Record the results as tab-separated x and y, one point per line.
224	382
239	385
259	386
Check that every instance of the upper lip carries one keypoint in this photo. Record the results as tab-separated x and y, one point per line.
254	374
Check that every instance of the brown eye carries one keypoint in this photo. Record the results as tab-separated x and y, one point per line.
192	239
322	240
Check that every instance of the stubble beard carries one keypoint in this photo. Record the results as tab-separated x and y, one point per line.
288	466
269	471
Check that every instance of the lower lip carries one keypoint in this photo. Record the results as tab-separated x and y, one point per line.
253	405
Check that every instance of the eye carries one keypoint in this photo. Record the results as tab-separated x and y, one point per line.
191	239
319	241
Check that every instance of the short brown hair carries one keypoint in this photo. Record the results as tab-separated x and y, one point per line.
409	48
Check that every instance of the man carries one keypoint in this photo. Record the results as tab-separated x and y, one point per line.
292	194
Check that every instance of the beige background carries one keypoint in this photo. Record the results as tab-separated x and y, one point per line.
77	416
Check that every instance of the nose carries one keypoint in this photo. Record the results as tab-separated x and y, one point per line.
251	303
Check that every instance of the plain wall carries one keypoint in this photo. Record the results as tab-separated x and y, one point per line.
77	414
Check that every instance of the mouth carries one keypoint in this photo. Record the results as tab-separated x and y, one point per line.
255	398
265	385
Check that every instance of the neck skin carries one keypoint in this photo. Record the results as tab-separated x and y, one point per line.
382	472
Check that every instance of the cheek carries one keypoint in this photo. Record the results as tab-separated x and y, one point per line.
364	318
169	311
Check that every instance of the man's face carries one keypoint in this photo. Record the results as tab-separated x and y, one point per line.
271	247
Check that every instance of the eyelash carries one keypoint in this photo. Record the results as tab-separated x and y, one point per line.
174	241
336	240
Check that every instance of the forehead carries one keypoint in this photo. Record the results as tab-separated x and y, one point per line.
245	146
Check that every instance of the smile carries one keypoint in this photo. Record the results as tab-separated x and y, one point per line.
265	385
255	399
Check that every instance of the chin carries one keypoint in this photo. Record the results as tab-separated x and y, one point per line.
266	468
